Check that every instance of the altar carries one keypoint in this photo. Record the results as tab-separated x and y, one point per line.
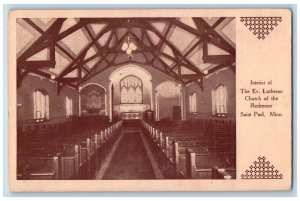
130	110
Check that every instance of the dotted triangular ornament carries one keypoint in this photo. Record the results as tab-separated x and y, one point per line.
261	26
261	169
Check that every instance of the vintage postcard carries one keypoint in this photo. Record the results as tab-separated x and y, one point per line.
150	100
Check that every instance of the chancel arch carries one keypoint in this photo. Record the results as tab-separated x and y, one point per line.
130	91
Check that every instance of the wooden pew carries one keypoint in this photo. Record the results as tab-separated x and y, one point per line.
70	162
200	166
222	173
77	154
89	151
168	145
42	168
218	138
163	139
179	152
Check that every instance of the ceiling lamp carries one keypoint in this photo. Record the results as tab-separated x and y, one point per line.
129	46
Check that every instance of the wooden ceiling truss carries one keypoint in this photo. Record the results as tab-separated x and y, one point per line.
108	53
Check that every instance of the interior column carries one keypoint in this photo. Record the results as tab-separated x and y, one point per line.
110	100
183	102
151	95
79	101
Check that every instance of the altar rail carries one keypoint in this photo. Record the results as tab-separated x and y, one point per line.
131	115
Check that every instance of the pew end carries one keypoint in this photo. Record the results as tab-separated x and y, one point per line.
223	173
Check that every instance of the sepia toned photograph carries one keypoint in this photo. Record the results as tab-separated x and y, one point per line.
126	98
157	100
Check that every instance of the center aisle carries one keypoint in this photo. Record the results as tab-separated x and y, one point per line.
130	160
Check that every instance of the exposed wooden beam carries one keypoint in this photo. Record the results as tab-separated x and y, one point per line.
105	51
216	59
190	65
109	39
70	79
190	76
48	38
215	38
89	75
216	68
32	65
154	54
48	76
33	25
89	31
58	87
161	42
64	51
51	36
69	55
198	33
80	57
219	21
193	47
205	46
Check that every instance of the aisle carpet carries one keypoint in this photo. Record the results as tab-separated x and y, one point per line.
130	160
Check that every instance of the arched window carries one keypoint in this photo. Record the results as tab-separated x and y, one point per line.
131	89
219	100
69	106
40	104
192	101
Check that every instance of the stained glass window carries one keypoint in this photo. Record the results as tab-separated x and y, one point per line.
131	90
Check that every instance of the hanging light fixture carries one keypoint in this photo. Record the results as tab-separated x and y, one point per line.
125	46
129	46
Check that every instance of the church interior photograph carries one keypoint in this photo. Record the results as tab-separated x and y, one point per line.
126	98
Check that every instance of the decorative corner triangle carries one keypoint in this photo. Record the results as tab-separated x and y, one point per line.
261	169
261	26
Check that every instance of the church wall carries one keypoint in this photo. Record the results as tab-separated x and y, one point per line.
103	79
57	109
166	107
168	94
57	102
204	98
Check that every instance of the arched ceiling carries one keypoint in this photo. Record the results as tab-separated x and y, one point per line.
73	50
